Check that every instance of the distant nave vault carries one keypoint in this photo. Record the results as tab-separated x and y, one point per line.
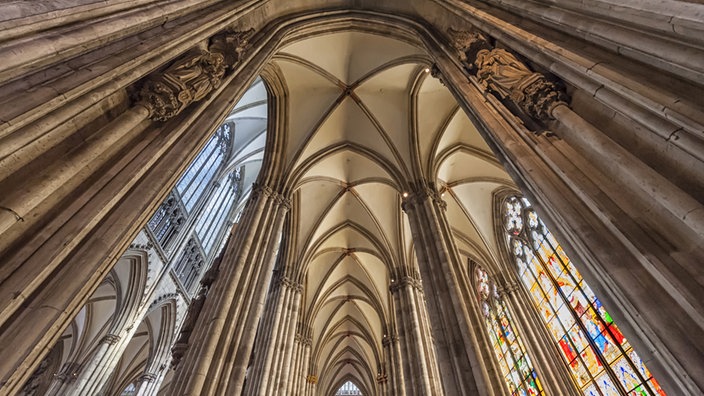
435	197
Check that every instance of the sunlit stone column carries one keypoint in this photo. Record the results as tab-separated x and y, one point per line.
275	339
221	344
419	364
441	272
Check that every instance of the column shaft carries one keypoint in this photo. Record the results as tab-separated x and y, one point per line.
440	268
216	361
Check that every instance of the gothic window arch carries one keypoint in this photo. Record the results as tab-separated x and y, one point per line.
348	389
516	367
600	359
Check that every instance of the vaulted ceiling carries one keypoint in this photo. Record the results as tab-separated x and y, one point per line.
365	120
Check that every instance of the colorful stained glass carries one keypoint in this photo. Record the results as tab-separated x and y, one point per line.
514	362
600	358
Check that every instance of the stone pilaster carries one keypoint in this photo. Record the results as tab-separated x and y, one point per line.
446	294
217	359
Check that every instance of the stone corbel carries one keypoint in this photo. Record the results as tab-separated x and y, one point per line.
192	76
504	75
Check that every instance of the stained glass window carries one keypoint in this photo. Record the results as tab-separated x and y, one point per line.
515	364
600	359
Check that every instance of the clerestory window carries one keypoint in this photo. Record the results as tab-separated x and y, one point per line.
600	358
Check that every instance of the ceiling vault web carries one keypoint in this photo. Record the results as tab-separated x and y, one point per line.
365	120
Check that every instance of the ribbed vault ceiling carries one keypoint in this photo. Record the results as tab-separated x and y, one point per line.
365	119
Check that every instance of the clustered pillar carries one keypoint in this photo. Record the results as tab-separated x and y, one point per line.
441	273
270	373
420	375
218	356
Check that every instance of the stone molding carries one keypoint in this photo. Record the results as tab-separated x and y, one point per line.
146	377
503	74
289	283
305	340
69	372
267	191
192	76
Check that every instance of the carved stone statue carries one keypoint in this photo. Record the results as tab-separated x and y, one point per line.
192	76
502	74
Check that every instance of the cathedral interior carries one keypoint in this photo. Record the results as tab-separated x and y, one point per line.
352	197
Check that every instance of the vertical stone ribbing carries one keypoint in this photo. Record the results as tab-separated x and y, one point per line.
217	359
419	364
275	339
440	268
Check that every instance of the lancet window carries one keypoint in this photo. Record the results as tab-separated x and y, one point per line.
516	367
199	175
189	265
218	210
600	358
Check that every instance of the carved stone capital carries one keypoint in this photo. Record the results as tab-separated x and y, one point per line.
420	194
312	379
146	377
111	339
405	281
289	283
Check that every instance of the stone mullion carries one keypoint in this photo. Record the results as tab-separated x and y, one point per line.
203	351
256	294
284	374
551	370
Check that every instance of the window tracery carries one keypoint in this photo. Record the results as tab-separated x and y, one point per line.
600	358
348	389
516	367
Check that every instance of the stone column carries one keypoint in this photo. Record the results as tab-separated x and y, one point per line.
504	75
219	352
300	370
275	339
441	272
419	365
396	364
39	236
